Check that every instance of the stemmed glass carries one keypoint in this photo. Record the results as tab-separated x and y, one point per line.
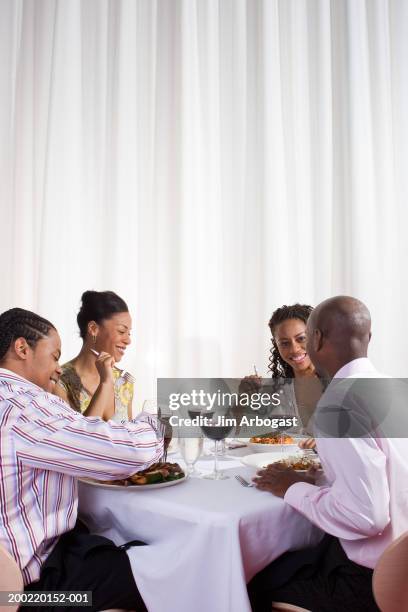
150	406
164	417
216	432
191	449
281	436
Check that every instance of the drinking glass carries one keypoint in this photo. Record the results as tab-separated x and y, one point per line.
150	406
216	432
164	417
281	436
191	449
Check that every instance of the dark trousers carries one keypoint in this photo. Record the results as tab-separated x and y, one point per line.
84	562
320	579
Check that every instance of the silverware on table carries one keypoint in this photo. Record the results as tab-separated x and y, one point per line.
234	446
243	482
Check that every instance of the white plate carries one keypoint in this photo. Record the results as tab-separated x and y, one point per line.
155	485
257	447
260	460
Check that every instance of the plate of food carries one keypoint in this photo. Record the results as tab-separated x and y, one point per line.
299	462
157	476
273	442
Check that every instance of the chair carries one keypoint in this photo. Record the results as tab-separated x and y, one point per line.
11	578
390	584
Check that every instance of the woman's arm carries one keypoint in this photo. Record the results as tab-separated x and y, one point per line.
102	403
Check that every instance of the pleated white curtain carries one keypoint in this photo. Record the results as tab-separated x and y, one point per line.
209	160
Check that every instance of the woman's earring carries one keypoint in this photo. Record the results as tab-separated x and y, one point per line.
94	338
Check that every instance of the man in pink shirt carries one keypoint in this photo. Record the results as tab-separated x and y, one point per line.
362	505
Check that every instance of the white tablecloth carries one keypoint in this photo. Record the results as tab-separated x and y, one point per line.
206	539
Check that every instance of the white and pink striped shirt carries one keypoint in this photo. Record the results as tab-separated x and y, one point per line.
44	447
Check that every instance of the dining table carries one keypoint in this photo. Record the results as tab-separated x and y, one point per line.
205	538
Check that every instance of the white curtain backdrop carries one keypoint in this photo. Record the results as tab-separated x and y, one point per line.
209	160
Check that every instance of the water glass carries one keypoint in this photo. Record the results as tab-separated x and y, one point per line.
191	449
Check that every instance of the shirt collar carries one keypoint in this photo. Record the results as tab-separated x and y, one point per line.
358	366
7	374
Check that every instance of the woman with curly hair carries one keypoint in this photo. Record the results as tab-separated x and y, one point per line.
290	365
289	360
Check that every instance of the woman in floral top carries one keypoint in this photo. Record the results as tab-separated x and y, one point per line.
104	325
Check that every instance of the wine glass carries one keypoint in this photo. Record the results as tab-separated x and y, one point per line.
164	417
150	406
193	413
213	430
191	449
282	435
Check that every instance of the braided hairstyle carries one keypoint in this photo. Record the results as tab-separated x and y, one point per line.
20	323
97	306
277	366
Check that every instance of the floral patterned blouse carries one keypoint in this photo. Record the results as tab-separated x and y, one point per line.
79	397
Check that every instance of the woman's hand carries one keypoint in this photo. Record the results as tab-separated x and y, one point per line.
250	384
104	364
307	443
103	400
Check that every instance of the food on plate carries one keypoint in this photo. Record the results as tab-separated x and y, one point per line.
158	472
299	463
272	438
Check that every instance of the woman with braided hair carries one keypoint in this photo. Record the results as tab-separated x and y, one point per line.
45	447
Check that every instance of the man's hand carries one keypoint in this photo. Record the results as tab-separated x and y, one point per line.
277	478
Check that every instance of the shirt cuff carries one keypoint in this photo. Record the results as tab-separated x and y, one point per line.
153	421
297	492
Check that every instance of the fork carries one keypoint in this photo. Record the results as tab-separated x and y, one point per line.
243	482
127	377
124	375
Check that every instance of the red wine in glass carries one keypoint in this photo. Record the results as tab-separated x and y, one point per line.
217	433
197	413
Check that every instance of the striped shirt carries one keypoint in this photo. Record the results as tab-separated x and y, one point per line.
44	447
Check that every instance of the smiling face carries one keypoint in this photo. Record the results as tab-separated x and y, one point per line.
113	334
41	363
290	337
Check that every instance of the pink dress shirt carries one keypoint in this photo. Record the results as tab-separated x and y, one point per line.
44	447
364	501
